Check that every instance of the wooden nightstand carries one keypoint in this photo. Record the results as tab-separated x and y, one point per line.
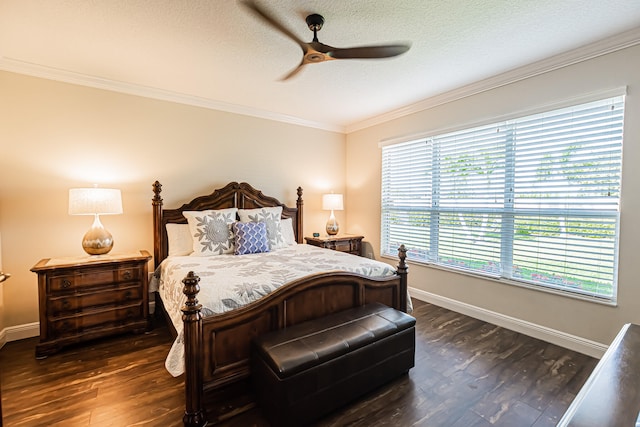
90	297
343	243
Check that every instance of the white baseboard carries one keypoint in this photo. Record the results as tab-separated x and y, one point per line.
553	336
20	332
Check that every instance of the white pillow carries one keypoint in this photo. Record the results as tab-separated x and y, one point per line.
288	234
211	231
179	239
271	217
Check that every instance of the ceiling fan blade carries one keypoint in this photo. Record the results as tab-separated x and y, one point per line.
321	47
365	52
294	71
264	14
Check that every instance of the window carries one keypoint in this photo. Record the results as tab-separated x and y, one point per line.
534	200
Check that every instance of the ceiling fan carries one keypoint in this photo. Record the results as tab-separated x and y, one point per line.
315	51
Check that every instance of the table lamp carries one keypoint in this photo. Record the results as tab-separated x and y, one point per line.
332	202
95	201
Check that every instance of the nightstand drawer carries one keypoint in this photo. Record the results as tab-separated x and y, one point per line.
342	246
90	278
88	301
344	243
72	325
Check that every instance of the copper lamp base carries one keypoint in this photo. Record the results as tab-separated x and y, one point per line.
97	241
332	225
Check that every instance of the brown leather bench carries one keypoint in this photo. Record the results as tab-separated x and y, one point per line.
306	371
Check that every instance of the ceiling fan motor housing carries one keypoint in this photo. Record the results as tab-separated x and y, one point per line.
315	57
315	22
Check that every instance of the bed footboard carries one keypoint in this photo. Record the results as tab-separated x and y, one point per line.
217	348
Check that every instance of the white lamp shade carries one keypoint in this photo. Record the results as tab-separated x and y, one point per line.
91	201
332	202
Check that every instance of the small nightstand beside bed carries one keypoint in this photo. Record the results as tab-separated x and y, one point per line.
282	284
89	297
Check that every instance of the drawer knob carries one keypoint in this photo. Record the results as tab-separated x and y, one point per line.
127	275
66	283
127	295
66	304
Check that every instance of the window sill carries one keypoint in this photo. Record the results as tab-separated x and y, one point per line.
549	290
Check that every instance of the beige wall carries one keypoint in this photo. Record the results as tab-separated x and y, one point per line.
589	320
56	136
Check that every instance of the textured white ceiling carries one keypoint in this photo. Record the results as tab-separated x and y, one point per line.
217	53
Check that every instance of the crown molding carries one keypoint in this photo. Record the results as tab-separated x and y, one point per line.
35	70
603	47
584	53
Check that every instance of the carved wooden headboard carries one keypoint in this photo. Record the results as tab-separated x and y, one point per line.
233	195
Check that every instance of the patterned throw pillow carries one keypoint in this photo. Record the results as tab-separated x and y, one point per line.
250	237
271	217
211	231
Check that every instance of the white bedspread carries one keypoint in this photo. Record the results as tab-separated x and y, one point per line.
231	281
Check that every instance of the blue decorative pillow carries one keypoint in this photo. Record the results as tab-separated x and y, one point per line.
251	237
271	217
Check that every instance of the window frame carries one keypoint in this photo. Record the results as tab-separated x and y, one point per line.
506	246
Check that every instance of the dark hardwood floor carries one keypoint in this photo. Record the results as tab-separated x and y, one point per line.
467	373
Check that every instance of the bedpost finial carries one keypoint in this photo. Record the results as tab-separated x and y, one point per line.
299	192
191	289
157	189
402	254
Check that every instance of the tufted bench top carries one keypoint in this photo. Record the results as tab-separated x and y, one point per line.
300	347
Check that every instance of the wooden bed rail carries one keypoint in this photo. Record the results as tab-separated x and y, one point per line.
195	415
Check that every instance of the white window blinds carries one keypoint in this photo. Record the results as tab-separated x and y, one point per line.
535	199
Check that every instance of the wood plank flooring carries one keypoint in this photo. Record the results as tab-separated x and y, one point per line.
468	373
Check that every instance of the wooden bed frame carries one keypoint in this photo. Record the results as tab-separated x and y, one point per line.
217	348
